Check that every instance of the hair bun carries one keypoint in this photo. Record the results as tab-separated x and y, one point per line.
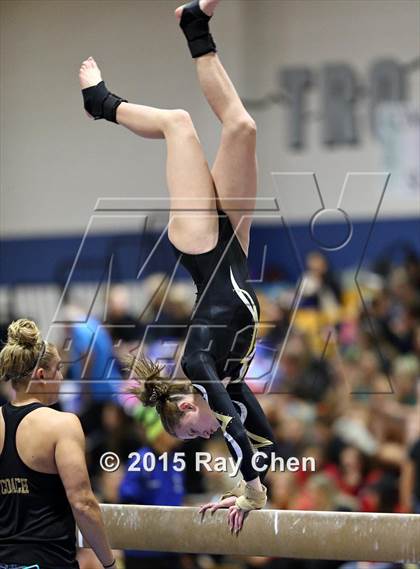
158	393
24	333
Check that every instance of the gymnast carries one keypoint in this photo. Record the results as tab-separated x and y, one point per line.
211	239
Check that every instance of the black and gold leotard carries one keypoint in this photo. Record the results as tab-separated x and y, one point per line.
221	343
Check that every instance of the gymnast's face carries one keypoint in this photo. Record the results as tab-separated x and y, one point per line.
198	420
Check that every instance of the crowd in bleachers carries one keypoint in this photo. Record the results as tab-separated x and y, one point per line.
337	372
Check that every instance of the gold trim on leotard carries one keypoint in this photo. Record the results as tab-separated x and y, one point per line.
247	299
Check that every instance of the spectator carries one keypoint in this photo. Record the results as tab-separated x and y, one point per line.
321	289
410	480
93	363
122	324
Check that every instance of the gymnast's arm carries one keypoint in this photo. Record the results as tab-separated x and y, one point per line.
200	368
71	466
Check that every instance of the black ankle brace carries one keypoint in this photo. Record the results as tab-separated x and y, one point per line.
101	103
195	25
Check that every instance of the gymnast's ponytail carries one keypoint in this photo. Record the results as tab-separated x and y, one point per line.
153	389
24	352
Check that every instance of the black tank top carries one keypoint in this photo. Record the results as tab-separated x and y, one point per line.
36	521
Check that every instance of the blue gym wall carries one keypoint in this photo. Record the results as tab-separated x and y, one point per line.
49	260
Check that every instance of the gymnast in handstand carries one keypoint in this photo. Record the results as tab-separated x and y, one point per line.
209	227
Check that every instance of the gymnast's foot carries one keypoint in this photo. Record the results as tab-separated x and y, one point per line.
206	6
98	101
89	75
194	20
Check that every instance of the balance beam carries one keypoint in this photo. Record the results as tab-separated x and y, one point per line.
273	533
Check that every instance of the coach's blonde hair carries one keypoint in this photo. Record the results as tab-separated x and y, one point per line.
24	352
155	390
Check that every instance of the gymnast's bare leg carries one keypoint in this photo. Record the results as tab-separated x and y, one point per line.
235	169
189	179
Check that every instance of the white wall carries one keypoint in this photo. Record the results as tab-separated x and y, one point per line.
55	163
313	33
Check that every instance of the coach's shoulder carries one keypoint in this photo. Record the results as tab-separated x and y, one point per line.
62	422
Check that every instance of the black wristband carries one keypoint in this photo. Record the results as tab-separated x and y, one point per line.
108	566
